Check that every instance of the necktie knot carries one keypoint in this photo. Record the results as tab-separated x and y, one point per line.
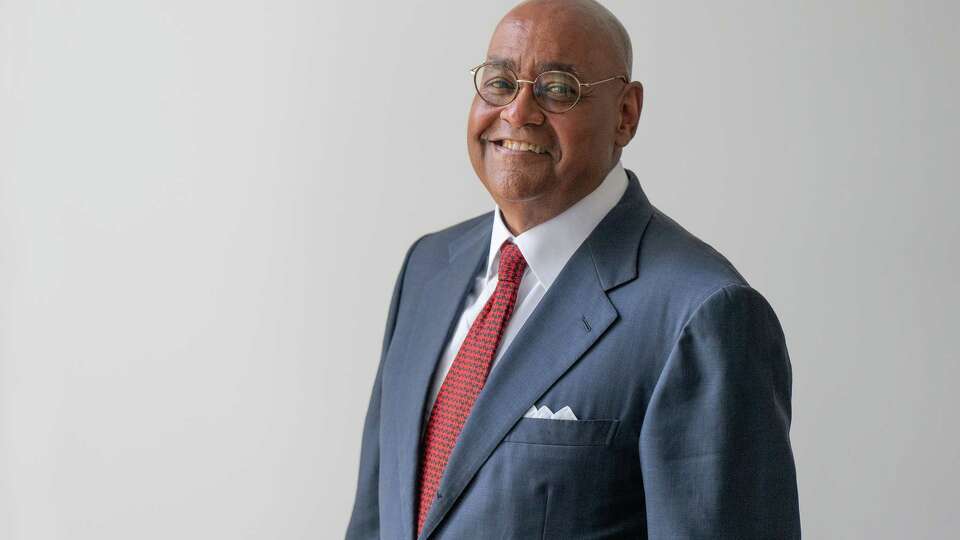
512	263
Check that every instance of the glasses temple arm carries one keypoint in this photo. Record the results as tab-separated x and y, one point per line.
605	80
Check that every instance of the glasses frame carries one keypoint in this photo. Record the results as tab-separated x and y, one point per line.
516	91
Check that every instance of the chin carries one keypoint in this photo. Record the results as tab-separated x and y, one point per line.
514	185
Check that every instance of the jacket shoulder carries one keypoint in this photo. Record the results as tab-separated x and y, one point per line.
442	238
682	267
432	250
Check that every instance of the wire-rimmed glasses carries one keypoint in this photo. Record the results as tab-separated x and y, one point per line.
554	91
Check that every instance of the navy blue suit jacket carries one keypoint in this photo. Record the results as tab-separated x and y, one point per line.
676	368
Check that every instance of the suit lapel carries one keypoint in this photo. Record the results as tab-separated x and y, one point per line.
573	314
437	313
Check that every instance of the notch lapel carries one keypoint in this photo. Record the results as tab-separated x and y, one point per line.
569	319
436	315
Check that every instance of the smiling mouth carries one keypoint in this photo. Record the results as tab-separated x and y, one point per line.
520	146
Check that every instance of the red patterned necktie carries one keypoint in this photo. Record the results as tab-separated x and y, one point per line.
466	377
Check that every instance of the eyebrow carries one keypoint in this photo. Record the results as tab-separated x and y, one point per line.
540	67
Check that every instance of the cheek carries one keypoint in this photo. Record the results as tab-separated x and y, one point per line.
579	142
478	149
475	120
478	121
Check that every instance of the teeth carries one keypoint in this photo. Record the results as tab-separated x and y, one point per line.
523	147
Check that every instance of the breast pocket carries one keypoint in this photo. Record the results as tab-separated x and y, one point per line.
563	432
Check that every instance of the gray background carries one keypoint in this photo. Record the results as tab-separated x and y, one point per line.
204	204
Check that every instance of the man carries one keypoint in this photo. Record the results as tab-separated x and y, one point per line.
574	364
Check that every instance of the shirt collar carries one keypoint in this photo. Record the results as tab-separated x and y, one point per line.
549	245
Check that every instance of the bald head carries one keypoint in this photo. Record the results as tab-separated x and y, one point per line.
588	16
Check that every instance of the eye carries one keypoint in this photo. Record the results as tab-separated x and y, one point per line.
499	84
559	91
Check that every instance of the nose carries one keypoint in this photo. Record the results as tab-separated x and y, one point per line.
523	109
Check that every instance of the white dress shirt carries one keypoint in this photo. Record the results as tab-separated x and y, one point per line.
546	248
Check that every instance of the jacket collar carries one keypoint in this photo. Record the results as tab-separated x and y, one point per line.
611	243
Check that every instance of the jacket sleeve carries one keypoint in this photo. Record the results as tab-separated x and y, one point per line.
365	519
715	445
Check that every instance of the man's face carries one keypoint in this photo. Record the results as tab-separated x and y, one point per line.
579	143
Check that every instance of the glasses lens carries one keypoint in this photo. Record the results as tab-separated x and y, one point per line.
495	84
556	91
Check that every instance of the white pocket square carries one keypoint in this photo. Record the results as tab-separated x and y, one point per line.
544	412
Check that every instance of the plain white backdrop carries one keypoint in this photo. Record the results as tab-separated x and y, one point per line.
204	204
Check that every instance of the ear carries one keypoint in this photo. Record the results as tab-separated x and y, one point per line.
630	106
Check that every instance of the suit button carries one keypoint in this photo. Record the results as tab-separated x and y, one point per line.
439	496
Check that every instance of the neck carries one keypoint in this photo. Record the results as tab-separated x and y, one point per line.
521	216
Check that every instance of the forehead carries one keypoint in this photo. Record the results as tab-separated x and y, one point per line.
542	44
